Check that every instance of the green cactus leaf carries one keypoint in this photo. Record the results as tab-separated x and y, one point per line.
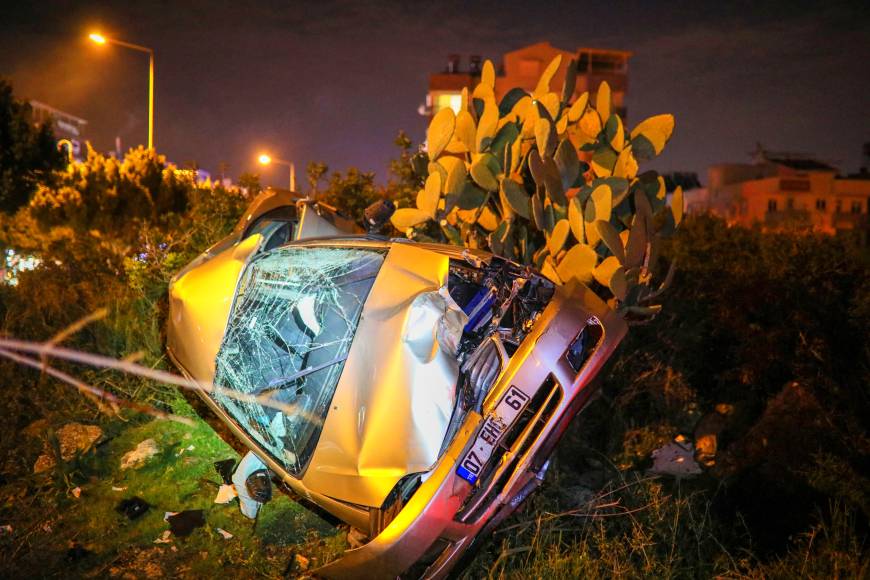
511	98
408	217
615	132
439	167
626	164
578	264
548	269
440	132
428	197
575	220
545	137
549	215
610	237
619	284
504	140
678	205
558	237
548	106
488	124
553	182
649	138
603	161
544	82
570	81
638	239
515	197
452	234
484	169
538	212
604	271
603	101
598	207
471	197
578	107
466	130
455	181
487	74
536	167
590	125
568	163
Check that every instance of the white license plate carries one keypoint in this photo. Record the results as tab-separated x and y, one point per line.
494	427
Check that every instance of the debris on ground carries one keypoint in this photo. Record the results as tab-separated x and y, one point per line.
72	439
225	469
133	507
5	530
188	448
76	492
116	488
181	524
356	538
226	494
165	538
138	456
676	459
708	431
226	535
301	561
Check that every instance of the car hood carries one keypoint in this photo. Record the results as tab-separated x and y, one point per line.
394	400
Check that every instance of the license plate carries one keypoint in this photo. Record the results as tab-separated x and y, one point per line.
494	427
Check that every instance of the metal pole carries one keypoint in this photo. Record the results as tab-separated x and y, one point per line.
151	100
292	177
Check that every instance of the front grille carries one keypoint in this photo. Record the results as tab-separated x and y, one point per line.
518	440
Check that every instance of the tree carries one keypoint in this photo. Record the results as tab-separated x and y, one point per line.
351	192
28	152
315	172
405	181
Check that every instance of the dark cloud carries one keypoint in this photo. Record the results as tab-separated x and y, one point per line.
335	80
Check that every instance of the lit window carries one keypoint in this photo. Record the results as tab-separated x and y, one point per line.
448	100
771	205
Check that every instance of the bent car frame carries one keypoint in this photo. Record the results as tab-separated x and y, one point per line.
415	391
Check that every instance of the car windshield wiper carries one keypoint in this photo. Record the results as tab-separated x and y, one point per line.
283	382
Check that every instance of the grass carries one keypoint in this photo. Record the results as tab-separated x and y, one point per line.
48	520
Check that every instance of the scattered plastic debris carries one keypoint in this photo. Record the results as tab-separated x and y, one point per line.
225	469
226	494
356	538
116	488
226	535
165	538
143	452
188	448
46	527
167	515
677	459
248	466
5	530
72	439
76	492
133	507
301	561
183	523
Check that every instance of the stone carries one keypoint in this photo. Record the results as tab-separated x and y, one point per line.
72	439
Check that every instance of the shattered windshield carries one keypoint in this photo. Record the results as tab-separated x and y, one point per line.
288	336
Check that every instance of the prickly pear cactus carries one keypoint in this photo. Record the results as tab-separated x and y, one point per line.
551	183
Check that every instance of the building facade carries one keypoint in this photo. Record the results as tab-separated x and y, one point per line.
522	68
68	129
779	191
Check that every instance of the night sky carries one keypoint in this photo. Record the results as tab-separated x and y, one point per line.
334	81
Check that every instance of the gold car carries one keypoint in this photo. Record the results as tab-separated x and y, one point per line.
415	391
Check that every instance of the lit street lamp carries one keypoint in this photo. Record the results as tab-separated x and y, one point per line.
100	39
265	159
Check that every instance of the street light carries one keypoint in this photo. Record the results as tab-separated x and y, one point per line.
100	39
265	159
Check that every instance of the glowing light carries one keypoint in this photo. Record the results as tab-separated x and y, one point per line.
97	37
264	159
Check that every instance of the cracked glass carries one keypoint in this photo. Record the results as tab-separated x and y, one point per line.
289	333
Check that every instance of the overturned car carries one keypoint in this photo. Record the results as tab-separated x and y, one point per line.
414	391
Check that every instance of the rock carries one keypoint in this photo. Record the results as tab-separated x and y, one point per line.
72	439
708	431
302	562
137	457
677	459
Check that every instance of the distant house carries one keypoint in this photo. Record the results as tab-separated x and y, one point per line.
68	128
522	68
783	190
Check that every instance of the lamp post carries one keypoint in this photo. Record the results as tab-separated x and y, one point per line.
265	159
100	39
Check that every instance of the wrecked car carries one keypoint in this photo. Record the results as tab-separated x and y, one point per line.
414	391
